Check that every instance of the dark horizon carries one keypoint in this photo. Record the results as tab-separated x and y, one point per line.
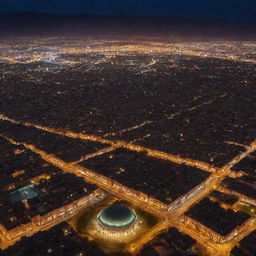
28	23
27	13
207	10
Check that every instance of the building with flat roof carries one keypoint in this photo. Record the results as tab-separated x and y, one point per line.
26	192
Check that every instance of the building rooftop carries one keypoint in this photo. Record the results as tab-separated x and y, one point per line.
117	216
27	192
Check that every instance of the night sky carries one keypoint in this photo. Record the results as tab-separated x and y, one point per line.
233	10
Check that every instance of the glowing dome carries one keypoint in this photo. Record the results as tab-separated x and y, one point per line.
117	216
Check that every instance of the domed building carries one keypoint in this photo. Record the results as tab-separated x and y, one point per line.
114	226
117	216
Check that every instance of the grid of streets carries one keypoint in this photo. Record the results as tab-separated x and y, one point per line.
191	163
